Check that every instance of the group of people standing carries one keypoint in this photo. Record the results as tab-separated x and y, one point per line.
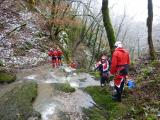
117	67
56	55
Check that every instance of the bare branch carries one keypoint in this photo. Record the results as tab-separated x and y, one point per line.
10	32
120	25
88	8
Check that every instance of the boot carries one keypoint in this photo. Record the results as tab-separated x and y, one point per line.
116	98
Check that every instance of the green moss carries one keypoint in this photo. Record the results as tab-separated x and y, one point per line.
151	117
82	70
20	51
155	63
144	73
28	45
96	74
108	108
17	103
6	77
1	63
64	88
1	25
108	25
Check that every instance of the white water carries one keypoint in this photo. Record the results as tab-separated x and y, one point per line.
50	102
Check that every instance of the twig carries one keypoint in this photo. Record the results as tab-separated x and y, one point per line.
100	108
9	33
105	113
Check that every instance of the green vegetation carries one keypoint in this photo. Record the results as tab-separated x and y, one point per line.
143	102
147	70
17	103
96	74
28	45
21	51
64	88
106	108
82	70
155	63
142	106
1	63
1	25
6	77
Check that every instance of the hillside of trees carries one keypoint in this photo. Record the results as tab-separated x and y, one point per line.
29	29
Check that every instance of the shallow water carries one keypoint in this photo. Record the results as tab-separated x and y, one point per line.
51	103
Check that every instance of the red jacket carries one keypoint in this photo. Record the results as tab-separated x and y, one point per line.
73	65
59	53
50	52
54	53
119	57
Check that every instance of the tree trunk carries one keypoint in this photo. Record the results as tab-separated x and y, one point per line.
149	25
108	25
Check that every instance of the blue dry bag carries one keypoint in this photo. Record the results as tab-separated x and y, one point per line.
131	84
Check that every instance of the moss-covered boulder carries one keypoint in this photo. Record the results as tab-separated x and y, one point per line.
7	76
64	87
105	108
17	103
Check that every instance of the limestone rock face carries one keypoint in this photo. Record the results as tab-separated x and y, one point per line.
20	35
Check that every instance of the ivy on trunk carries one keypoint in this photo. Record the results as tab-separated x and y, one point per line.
149	25
108	25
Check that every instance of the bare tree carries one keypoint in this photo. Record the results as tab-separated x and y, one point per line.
120	25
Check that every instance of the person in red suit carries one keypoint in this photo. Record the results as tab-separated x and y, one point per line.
55	58
59	56
119	68
73	64
53	54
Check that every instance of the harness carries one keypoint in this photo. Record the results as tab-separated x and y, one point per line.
122	71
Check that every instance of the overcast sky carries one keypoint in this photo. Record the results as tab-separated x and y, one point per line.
137	8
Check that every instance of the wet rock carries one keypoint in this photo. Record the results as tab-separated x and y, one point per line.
32	59
17	103
35	116
7	75
158	114
19	35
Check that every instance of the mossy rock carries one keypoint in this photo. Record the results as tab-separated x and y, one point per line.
64	87
17	103
96	74
21	51
6	76
106	108
1	63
